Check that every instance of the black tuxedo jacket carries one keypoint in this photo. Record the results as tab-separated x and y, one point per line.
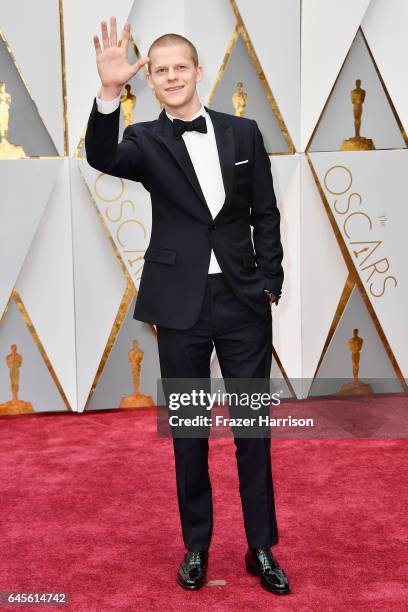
183	232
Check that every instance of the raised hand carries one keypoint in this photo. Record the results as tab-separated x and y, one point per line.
112	62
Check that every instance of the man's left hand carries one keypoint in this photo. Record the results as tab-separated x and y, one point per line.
272	297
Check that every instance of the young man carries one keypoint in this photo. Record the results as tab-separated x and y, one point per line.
202	285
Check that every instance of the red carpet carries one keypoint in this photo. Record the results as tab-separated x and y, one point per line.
89	507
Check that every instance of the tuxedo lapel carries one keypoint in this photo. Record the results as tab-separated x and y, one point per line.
178	149
225	144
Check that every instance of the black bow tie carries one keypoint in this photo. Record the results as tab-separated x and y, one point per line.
197	125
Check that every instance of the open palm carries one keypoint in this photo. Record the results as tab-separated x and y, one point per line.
112	62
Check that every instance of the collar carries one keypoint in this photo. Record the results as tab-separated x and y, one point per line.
163	124
201	111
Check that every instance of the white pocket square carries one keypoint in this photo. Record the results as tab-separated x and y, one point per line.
244	161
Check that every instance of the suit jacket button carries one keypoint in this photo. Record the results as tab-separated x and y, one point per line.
213	226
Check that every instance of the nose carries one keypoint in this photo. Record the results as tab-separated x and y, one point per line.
171	74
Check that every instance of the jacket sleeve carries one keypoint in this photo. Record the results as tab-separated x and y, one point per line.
104	153
265	218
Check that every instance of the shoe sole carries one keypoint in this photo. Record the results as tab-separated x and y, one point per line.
254	572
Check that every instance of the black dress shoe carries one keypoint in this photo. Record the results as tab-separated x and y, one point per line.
191	574
261	562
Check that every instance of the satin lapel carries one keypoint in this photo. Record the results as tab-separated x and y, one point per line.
224	136
178	149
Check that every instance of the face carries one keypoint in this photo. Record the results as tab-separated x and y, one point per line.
173	76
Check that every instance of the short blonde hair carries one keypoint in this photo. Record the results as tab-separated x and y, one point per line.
166	40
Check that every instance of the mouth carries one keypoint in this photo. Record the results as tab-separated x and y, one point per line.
175	88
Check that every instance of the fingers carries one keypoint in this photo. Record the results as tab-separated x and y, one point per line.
139	64
97	44
125	36
113	36
113	40
142	61
105	37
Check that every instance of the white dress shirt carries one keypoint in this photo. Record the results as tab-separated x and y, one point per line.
203	152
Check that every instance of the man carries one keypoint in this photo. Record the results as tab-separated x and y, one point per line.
202	283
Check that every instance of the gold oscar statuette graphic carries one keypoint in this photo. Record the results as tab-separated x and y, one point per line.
137	400
7	150
128	103
240	100
15	406
356	387
357	143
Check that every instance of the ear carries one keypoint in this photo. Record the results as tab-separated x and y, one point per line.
199	73
149	80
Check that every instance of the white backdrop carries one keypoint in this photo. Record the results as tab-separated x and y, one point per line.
72	241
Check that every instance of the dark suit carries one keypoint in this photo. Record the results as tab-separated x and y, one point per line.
183	230
193	310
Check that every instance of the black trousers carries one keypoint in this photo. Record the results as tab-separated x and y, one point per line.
243	343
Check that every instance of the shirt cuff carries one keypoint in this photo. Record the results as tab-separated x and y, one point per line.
107	106
274	295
